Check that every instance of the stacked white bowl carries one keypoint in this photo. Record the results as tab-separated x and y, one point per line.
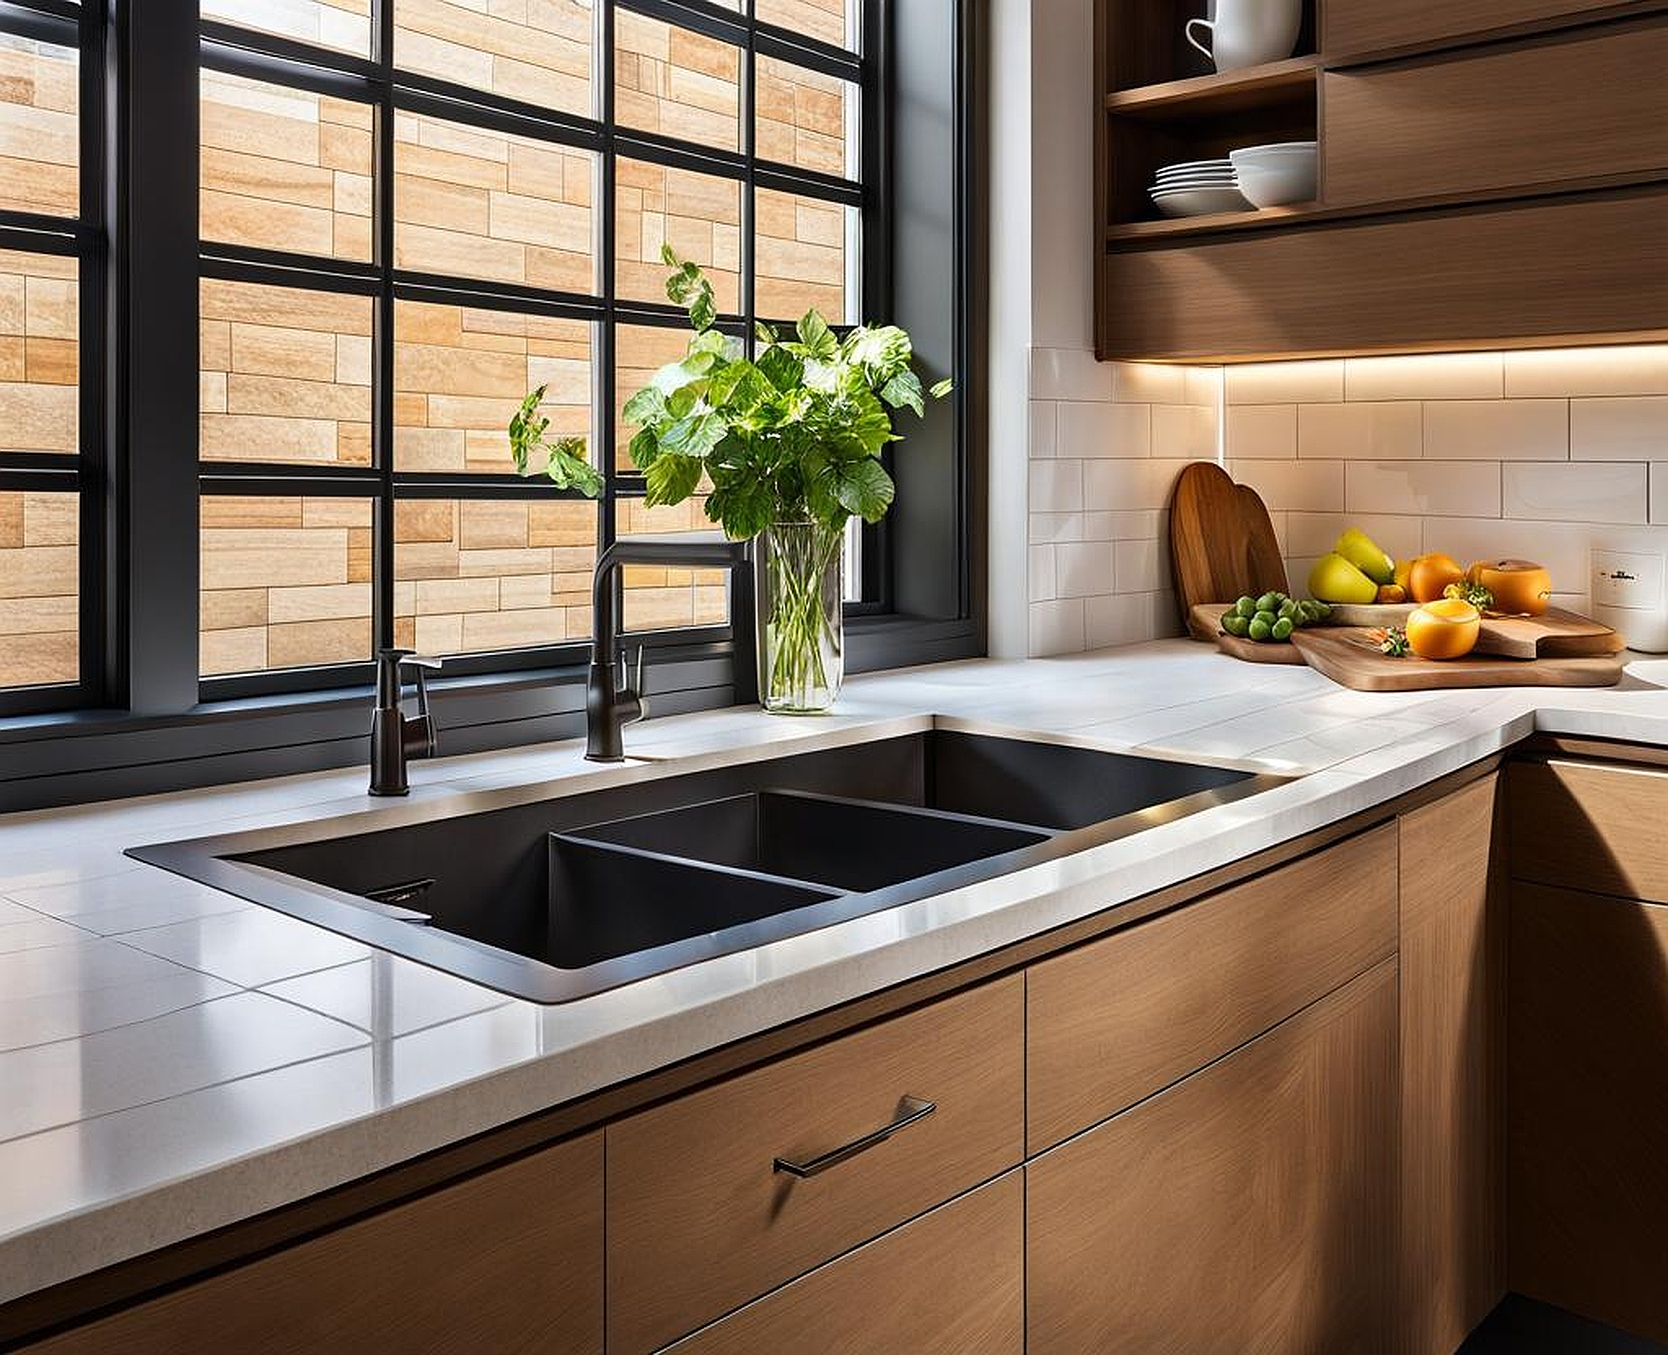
1196	188
1271	176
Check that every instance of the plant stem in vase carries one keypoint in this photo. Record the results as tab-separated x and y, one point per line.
801	630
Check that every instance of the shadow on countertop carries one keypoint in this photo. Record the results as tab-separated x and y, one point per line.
1521	1326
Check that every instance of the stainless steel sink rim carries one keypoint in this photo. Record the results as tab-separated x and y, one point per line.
206	860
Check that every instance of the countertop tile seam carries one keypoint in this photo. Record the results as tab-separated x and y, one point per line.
123	1025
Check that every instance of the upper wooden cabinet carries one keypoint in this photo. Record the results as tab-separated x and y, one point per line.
1540	112
1491	175
1366	26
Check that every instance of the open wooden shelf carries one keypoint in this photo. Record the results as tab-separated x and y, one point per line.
1198	96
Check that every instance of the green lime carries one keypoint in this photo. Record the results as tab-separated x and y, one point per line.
1288	610
1268	602
1235	624
1259	628
1266	615
1246	607
1283	628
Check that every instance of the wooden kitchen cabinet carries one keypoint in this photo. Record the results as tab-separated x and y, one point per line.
506	1261
1539	112
1591	825
1120	1018
1588	1139
1249	1207
1452	1102
1361	26
950	1283
698	1220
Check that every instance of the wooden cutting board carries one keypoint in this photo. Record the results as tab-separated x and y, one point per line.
1557	634
1348	655
1222	543
1205	622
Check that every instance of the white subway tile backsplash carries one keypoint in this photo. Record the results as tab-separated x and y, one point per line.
1135	524
1301	486
1275	383
1056	627
1314	534
1659	492
1047	528
1497	430
1130	618
1576	491
1440	376
1040	569
1184	431
1056	486
1082	568
1095	430
1425	488
1069	374
1044	426
1264	432
1204	385
1152	383
1560	546
1619	428
1640	369
1373	429
1135	483
1138	566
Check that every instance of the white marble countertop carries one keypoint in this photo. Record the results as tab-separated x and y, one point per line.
173	1059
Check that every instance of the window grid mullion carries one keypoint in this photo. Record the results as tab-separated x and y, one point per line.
382	433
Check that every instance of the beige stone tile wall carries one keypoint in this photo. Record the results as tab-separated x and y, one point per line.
699	215
285	374
826	20
460	373
639	352
39	588
800	254
664	599
39	130
285	168
538	51
342	25
802	117
1541	454
479	574
475	203
286	582
675	82
39	340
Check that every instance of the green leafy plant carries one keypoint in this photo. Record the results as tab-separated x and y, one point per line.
794	434
564	458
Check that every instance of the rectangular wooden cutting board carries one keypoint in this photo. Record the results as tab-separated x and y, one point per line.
1348	655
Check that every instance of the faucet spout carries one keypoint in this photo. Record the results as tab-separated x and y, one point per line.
611	702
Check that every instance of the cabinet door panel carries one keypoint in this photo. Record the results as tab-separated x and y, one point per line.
1376	25
950	1283
1591	826
1596	104
699	1222
1580	267
1588	1147
507	1261
1453	989
1248	1208
1120	1018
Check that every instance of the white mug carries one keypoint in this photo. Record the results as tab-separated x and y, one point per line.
1249	32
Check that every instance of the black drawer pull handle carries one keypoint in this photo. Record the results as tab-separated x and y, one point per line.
910	1109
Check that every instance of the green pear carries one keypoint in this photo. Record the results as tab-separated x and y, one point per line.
1366	555
1335	579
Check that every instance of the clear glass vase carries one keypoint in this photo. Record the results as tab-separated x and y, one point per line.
801	628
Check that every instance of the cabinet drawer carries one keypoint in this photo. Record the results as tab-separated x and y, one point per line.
1249	1208
1591	826
699	1220
1584	265
510	1260
953	1281
1120	1018
1352	26
1462	123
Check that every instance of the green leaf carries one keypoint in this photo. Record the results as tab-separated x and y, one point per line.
527	427
882	351
864	488
743	507
695	435
781	368
903	391
703	310
942	388
645	447
817	337
764	333
568	468
671	479
648	405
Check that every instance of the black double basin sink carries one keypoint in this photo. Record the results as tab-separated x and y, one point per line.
552	894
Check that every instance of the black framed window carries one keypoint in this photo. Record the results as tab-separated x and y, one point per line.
410	218
52	284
